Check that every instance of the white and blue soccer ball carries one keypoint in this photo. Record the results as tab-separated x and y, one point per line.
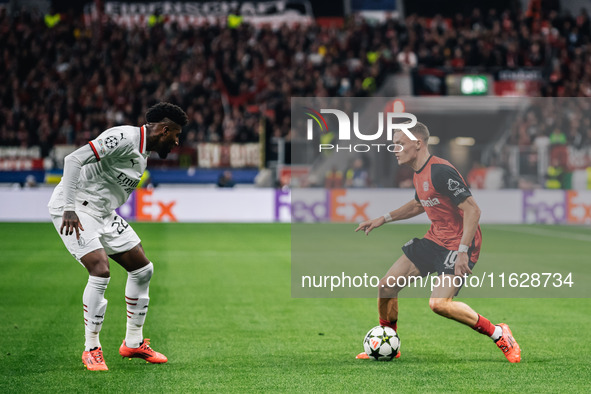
381	343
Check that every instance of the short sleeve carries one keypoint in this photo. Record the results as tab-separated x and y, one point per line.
111	142
448	182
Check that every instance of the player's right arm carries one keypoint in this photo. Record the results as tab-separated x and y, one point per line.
111	142
407	211
72	166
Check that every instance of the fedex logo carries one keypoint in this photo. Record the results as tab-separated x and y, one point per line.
544	206
142	206
557	206
319	206
578	207
344	130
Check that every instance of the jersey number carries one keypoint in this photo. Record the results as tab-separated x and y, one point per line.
121	224
450	260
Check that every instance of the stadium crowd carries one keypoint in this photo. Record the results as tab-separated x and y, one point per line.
68	82
553	122
554	125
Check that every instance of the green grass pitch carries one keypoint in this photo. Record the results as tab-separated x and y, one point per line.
221	310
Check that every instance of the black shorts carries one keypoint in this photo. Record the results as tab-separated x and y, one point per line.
430	257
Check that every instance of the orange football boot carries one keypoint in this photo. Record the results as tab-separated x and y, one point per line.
93	360
144	351
364	356
509	345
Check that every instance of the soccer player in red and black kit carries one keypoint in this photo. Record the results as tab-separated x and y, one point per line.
450	247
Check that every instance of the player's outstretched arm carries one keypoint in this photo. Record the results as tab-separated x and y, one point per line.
369	225
407	211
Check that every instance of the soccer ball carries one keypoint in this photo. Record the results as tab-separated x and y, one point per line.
381	343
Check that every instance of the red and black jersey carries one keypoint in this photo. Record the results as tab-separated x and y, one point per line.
439	188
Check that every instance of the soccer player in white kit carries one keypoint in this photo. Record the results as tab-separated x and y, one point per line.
98	178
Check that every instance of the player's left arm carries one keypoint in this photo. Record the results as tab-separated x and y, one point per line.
448	182
471	218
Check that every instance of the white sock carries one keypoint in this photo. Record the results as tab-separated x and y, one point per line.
137	300
92	340
497	334
95	305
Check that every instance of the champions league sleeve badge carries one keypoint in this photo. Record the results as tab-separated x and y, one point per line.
111	142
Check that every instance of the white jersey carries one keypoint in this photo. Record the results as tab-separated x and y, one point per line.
99	177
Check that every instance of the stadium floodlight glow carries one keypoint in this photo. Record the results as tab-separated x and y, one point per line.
464	141
434	140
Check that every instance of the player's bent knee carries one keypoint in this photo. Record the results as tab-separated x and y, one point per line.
387	287
144	274
440	306
98	267
147	273
385	283
100	270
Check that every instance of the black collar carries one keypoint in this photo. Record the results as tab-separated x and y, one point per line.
424	165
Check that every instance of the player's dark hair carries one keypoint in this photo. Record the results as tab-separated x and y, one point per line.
420	131
157	113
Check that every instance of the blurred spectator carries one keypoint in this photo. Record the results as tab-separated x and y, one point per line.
407	59
557	137
146	181
225	179
357	175
333	179
476	176
555	175
541	141
51	18
30	182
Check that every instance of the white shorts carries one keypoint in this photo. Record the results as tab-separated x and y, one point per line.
111	233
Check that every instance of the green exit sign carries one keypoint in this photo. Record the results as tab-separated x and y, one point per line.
474	84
